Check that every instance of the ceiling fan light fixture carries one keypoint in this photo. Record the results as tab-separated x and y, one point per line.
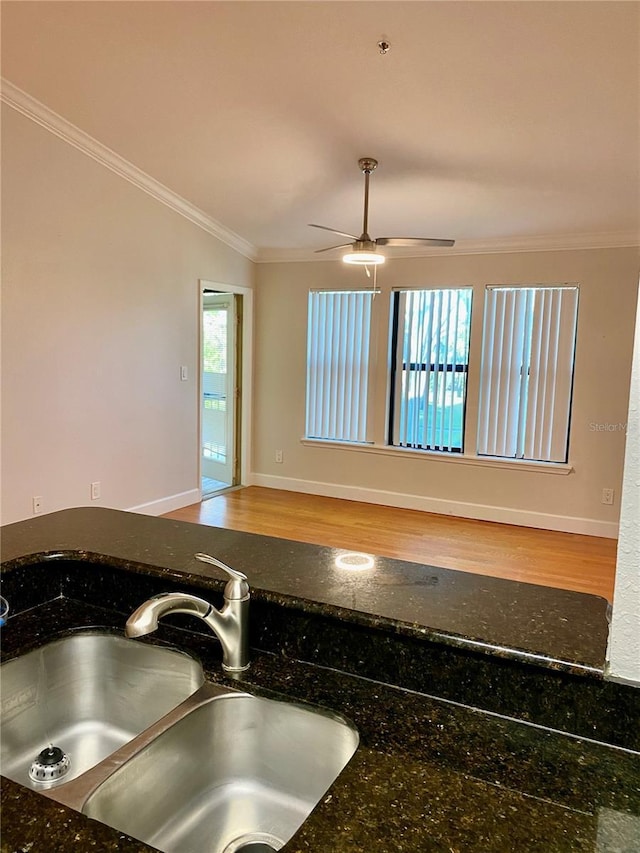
363	258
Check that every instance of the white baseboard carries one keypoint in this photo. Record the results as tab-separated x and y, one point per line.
482	512
168	504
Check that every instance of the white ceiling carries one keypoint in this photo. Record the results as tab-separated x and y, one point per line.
493	121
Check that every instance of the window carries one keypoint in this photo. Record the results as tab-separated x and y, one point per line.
430	362
338	340
527	372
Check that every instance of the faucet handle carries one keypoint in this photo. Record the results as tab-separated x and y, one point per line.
237	586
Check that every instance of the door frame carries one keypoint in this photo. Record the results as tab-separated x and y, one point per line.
246	375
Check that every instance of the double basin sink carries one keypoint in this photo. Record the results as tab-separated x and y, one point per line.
131	734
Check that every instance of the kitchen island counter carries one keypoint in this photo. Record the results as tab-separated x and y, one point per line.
435	770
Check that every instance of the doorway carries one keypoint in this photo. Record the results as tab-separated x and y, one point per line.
220	390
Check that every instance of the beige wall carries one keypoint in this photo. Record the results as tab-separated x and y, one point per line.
608	285
99	310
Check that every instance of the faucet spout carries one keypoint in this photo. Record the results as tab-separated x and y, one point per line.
144	620
230	624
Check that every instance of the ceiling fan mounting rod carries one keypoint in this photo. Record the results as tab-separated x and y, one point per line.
367	165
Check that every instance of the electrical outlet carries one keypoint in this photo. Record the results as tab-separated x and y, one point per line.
279	456
37	504
95	490
607	497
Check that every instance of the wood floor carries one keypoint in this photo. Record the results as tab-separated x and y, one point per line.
561	560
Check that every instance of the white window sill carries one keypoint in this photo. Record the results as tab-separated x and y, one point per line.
439	456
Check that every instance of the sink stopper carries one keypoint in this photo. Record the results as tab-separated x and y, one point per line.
50	765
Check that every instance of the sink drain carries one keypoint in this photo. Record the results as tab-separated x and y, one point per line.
50	765
255	842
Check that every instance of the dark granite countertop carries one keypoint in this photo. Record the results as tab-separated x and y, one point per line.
430	664
428	775
495	616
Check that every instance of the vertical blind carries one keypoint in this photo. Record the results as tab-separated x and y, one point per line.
430	368
527	372
338	344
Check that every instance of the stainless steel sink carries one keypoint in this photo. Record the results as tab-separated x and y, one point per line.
235	771
155	751
88	694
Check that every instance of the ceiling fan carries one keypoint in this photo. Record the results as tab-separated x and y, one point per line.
364	250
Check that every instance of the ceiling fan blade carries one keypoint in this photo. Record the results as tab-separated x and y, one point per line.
328	249
412	241
333	231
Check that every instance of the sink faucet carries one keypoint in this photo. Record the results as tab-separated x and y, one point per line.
230	624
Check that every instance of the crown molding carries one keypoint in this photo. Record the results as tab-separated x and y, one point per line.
33	109
545	243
